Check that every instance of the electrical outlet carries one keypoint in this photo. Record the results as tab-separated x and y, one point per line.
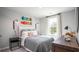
0	35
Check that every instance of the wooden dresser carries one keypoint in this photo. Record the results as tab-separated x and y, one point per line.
61	45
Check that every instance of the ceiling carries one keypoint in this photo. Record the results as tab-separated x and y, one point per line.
40	11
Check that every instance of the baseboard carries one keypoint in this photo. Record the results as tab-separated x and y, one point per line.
4	48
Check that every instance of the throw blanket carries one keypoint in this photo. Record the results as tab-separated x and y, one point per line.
39	43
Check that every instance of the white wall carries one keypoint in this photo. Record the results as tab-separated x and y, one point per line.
6	29
6	25
7	16
68	19
38	24
43	26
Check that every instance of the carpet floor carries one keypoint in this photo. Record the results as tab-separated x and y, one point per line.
15	50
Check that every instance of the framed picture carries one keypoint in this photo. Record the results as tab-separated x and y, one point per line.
25	21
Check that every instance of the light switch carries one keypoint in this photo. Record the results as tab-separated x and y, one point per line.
0	35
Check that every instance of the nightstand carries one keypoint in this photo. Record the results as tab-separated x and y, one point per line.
14	41
61	45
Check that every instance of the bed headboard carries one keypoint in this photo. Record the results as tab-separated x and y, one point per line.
26	30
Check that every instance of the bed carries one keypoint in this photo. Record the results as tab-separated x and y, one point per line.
38	43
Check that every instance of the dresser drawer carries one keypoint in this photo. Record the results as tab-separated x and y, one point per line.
60	45
60	49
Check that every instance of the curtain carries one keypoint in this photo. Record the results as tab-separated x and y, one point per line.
77	17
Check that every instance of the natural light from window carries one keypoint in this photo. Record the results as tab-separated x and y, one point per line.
53	26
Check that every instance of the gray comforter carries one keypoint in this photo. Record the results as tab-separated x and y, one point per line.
38	43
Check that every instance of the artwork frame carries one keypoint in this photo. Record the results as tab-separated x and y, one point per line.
25	21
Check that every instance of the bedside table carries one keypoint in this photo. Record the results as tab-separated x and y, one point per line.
13	41
61	45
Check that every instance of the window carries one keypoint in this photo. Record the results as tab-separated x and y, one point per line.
53	26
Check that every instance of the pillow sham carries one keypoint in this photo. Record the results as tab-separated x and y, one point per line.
35	33
29	33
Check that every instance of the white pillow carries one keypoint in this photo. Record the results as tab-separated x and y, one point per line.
35	33
25	33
